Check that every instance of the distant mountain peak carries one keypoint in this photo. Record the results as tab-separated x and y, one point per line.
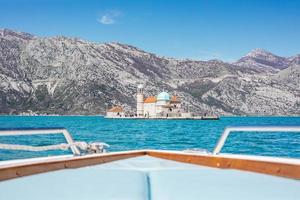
263	60
260	52
7	32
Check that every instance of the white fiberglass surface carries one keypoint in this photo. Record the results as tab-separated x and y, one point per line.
147	163
148	178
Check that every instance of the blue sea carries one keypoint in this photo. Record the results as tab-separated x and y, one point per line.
126	134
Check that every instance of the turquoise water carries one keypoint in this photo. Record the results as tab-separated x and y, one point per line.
156	134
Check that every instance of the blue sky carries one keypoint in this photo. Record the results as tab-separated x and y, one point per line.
199	29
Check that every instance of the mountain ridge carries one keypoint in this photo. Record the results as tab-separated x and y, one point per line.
266	61
62	75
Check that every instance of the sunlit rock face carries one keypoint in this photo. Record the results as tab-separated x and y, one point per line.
60	75
265	61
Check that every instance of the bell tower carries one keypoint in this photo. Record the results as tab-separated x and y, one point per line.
140	101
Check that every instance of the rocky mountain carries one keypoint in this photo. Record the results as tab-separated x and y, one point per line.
289	76
265	61
60	75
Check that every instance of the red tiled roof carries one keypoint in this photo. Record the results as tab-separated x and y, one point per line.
175	99
150	99
116	109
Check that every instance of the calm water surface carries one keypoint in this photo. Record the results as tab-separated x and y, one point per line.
155	134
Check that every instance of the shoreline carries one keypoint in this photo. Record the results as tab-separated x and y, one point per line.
227	116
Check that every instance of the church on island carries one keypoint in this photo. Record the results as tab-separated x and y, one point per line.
161	106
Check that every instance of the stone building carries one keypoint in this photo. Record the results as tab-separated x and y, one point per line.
116	111
162	105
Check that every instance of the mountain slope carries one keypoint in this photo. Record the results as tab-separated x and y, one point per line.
61	75
265	61
289	76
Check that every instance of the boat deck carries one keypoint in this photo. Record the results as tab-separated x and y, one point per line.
145	178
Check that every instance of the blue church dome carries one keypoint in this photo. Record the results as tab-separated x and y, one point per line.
163	96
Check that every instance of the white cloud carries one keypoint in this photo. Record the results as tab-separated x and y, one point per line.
105	19
109	17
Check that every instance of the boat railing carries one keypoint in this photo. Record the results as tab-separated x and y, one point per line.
262	129
38	131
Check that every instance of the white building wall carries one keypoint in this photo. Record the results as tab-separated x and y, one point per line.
149	110
115	114
140	105
159	108
140	101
